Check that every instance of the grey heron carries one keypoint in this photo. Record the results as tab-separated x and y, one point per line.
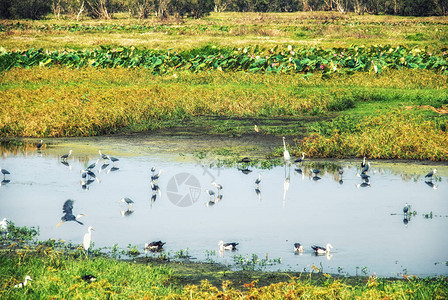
67	209
300	159
39	145
4	172
258	180
66	156
431	174
127	200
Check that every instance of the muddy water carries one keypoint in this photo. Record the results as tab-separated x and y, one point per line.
364	223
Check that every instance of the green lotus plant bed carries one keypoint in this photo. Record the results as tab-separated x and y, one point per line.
250	59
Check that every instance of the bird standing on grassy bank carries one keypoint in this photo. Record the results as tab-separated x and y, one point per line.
88	238
23	284
4	226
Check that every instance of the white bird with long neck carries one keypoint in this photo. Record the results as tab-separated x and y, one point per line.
286	155
88	238
4	224
22	284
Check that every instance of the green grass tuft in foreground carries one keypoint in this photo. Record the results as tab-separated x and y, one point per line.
57	271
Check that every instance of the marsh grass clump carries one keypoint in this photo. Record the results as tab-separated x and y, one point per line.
20	234
394	135
57	275
324	287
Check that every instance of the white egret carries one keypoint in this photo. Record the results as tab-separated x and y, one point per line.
286	155
22	284
88	238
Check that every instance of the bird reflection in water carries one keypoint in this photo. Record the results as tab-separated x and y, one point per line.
258	192
431	184
69	166
340	173
126	213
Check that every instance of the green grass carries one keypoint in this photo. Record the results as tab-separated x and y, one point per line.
326	29
59	275
328	96
57	268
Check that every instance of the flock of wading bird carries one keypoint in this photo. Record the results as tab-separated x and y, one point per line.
88	176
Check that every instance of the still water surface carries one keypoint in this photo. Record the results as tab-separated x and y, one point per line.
365	225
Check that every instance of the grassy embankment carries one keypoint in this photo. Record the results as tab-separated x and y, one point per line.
57	270
333	102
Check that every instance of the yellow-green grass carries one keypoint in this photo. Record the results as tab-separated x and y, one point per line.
397	134
62	102
59	275
324	29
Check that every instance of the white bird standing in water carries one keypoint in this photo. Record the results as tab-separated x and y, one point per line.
258	181
286	155
88	238
22	284
218	186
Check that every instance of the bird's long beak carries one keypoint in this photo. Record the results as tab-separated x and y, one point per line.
59	224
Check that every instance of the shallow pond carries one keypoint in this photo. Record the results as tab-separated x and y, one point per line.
364	223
